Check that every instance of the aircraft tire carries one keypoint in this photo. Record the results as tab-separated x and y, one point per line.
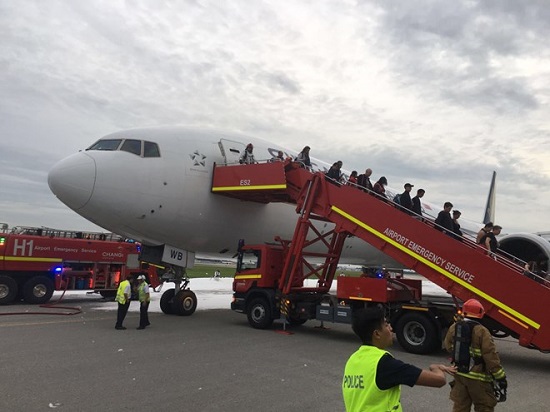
184	303
8	290
416	333
166	302
259	314
38	290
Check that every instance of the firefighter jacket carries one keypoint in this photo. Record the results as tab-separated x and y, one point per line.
122	287
359	383
485	362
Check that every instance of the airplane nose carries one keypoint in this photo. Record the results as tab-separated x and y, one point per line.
72	180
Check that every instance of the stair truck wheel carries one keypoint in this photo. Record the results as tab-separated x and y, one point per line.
8	290
184	303
417	333
166	302
38	290
259	313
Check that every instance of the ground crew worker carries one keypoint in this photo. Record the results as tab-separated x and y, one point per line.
144	299
373	377
477	361
123	295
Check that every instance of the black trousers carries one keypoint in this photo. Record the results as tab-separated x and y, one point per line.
143	315
121	313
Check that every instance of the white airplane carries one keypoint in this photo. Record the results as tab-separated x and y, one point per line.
154	185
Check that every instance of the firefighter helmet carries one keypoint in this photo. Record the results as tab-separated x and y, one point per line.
472	308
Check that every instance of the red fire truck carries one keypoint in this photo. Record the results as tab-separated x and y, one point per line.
34	262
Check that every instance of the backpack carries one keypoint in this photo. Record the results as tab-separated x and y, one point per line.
397	199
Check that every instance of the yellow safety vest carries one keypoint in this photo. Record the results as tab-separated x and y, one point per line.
359	384
141	293
120	298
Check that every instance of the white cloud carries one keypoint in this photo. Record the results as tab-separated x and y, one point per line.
437	93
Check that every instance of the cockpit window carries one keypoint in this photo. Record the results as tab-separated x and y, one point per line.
132	146
150	149
105	144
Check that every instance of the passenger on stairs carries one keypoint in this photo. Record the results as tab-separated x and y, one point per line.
417	205
247	157
483	231
352	180
379	188
490	241
303	158
444	222
405	200
363	180
456	225
334	175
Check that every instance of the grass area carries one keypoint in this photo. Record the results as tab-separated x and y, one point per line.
228	271
207	271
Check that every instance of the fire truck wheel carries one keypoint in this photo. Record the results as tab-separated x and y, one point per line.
166	302
417	333
8	290
184	303
38	289
259	314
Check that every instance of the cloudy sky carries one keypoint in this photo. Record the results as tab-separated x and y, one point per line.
436	93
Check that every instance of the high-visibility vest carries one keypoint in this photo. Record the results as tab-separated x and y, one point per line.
359	383
141	293
120	298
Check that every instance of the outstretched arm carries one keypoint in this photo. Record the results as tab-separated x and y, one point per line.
435	377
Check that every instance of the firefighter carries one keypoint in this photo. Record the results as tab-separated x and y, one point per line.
144	299
480	379
123	295
372	377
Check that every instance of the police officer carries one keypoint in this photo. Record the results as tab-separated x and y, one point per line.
144	299
478	364
373	377
123	295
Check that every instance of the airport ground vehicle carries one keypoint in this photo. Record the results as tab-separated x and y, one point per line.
34	262
328	213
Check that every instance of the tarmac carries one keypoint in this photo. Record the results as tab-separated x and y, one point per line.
210	361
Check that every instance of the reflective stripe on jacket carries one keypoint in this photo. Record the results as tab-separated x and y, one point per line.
359	384
120	298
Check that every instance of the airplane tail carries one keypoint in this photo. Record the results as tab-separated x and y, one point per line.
489	215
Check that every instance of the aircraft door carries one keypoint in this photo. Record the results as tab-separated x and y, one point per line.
231	150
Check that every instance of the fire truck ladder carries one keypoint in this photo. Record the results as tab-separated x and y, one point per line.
459	266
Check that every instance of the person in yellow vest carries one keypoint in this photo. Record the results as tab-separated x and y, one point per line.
479	372
144	299
123	295
372	376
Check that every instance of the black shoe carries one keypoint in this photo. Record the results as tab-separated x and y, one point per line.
140	327
147	324
120	328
